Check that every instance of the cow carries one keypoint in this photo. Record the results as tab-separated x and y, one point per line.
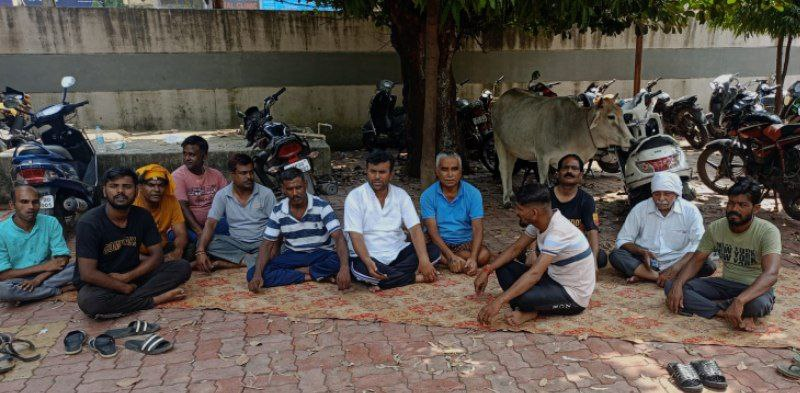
544	129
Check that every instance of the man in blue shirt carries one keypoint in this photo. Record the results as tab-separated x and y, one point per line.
33	254
452	211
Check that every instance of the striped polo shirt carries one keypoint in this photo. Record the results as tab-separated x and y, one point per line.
311	233
573	264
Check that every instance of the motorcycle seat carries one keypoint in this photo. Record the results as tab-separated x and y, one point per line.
32	148
690	99
60	150
776	132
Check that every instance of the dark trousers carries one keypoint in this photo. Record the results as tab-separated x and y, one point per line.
402	271
707	296
602	258
98	302
281	271
547	297
626	263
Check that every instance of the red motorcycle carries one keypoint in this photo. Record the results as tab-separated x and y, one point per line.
475	124
760	146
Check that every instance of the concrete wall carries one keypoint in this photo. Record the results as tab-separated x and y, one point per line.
145	69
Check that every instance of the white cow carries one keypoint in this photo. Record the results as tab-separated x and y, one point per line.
544	129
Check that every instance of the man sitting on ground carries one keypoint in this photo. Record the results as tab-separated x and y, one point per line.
315	246
750	250
374	216
452	211
247	206
558	281
660	234
195	187
576	204
34	259
156	190
111	278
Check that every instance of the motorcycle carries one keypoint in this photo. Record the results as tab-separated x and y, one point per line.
475	124
682	116
541	88
760	146
724	90
275	149
386	124
791	104
63	166
15	106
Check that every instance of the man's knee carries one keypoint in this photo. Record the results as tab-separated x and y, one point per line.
759	307
89	303
180	269
8	292
434	253
602	258
484	255
622	260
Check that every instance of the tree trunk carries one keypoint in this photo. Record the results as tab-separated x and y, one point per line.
637	63
429	122
780	81
779	76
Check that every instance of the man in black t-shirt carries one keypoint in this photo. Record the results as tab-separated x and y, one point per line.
576	204
111	278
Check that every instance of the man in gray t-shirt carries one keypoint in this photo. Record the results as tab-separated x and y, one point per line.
247	206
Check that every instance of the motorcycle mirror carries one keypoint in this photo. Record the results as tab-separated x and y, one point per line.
67	82
535	75
500	79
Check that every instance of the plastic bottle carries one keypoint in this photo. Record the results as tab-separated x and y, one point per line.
99	139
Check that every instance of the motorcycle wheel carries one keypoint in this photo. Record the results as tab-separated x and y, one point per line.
608	162
489	155
694	131
718	170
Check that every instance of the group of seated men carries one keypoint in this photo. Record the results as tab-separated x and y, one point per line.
132	251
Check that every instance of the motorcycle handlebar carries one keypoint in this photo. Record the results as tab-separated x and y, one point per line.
553	84
281	91
82	103
606	85
464	82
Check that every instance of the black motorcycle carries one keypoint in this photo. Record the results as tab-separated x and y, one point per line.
275	149
14	108
386	125
791	104
475	124
724	90
683	117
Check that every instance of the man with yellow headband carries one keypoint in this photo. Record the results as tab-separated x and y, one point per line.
157	195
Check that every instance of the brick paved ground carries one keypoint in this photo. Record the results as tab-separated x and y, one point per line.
233	352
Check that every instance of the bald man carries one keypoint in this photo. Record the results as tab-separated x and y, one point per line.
34	258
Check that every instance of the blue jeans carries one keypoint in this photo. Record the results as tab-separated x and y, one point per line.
220	229
280	270
10	290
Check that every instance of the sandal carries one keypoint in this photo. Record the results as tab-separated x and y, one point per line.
73	342
685	377
789	371
7	348
135	328
6	363
104	345
710	374
153	345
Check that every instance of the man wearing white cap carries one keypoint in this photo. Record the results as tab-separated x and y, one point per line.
660	234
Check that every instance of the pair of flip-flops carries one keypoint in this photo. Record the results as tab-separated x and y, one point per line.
791	370
693	376
105	344
10	349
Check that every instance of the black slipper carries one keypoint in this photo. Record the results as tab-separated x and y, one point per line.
7	346
104	345
153	345
685	377
6	363
73	342
710	374
135	328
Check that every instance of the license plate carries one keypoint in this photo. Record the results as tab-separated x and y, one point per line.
302	165
479	120
47	202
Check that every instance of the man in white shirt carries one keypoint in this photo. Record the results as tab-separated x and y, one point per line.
660	234
374	216
558	281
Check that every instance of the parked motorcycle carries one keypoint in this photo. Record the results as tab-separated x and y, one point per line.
760	146
14	108
724	90
475	124
682	116
541	88
275	149
791	104
386	124
63	166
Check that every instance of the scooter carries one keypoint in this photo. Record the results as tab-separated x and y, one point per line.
475	124
275	149
386	124
63	166
682	116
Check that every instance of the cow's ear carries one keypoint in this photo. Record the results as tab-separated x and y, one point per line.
595	119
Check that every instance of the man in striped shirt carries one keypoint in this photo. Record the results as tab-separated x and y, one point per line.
315	246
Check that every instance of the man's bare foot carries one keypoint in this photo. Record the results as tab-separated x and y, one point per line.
220	264
749	325
303	269
516	318
374	288
419	278
632	280
307	277
171	295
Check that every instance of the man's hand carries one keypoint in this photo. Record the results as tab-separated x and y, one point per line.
129	288
119	276
456	264
489	311
55	264
373	271
471	268
203	262
667	275
173	256
255	284
30	285
675	298
734	313
646	256
480	282
343	278
427	270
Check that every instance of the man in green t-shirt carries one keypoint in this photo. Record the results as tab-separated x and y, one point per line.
749	249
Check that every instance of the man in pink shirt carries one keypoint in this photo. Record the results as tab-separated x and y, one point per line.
195	186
